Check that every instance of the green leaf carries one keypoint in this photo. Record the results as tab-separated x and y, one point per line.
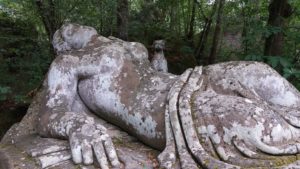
285	62
287	73
4	90
273	61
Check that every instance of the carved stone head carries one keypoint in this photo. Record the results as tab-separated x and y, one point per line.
159	45
72	36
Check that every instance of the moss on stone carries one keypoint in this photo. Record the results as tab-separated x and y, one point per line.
117	141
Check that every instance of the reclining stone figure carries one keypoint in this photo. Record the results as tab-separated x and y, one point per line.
227	115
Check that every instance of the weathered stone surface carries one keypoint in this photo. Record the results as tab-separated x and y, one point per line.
72	36
22	148
228	115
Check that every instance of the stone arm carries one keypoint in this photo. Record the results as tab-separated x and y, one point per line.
61	84
59	120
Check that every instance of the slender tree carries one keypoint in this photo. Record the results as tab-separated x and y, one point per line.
47	11
245	26
217	33
205	32
279	11
122	19
190	33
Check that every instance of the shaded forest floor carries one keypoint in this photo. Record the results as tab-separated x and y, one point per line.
10	113
18	82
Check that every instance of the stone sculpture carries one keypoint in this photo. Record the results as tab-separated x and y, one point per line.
227	115
159	61
72	36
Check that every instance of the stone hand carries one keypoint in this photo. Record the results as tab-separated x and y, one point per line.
89	138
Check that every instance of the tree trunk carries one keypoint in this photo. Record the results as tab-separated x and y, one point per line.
172	18
279	10
122	19
190	34
217	34
101	4
175	25
245	29
48	15
49	19
202	40
204	33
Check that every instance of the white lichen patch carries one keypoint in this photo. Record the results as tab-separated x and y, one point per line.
88	129
222	153
286	99
258	110
103	39
248	101
213	134
53	116
202	130
281	95
47	150
248	134
280	134
70	59
60	85
157	84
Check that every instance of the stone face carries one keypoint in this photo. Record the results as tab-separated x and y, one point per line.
228	115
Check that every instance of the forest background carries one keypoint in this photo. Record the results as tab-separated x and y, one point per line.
197	32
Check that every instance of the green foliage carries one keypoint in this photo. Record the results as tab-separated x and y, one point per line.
95	13
24	52
281	64
4	91
270	30
24	45
186	50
